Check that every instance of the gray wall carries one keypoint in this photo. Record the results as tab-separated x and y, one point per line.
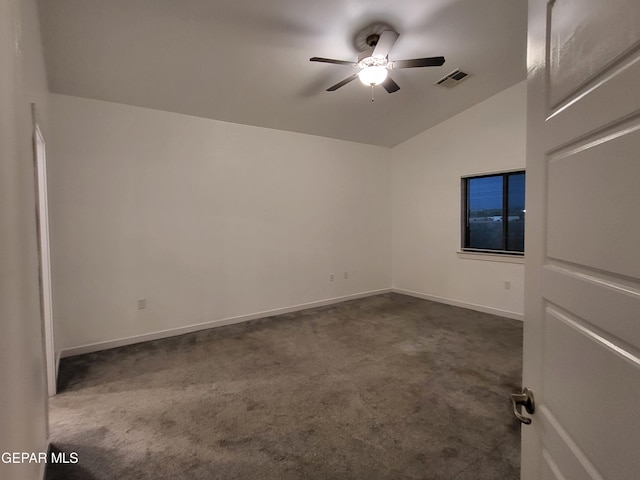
426	171
23	400
206	220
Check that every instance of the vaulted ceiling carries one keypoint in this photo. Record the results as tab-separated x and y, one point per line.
247	61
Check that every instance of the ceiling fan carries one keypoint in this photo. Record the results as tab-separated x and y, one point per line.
374	63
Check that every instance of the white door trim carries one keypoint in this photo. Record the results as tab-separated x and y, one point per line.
42	218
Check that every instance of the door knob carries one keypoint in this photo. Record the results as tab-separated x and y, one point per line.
524	399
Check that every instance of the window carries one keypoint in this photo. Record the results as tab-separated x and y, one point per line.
493	213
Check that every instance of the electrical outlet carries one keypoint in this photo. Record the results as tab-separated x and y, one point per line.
507	285
142	303
331	277
346	275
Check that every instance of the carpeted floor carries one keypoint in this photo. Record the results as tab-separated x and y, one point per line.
385	387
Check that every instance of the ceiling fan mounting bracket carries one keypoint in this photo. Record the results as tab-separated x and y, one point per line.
372	40
368	34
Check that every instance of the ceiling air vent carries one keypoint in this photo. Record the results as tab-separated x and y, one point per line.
452	79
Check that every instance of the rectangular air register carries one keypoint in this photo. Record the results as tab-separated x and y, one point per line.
452	79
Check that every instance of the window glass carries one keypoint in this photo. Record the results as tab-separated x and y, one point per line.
515	212
494	212
485	212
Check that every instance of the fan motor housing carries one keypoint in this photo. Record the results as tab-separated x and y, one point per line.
365	54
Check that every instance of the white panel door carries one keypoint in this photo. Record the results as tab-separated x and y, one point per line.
582	306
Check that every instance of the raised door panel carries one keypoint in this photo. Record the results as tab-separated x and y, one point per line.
590	207
578	50
582	371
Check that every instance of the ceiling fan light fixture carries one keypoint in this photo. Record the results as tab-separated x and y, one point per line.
373	60
373	75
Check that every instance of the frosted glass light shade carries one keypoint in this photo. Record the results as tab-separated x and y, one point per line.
373	75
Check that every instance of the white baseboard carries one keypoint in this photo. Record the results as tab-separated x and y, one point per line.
55	375
458	303
120	342
57	363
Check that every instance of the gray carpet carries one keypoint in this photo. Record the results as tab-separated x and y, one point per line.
385	387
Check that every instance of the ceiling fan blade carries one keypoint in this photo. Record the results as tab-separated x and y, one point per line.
390	86
342	83
331	60
385	42
419	62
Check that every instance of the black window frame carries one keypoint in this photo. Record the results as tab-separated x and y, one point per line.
465	240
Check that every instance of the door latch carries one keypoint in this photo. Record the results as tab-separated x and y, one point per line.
526	400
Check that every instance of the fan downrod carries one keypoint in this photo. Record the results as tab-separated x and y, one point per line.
372	40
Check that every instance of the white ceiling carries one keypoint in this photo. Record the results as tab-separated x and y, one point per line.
247	61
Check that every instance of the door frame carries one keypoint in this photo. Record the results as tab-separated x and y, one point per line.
44	254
